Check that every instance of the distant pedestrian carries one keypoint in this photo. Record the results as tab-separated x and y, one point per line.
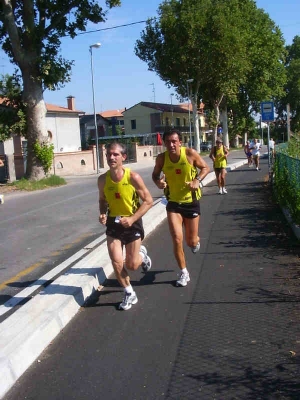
181	184
219	154
272	149
255	150
248	153
120	191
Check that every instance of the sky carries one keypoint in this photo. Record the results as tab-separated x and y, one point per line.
121	79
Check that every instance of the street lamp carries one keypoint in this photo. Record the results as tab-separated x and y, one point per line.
95	46
172	94
188	93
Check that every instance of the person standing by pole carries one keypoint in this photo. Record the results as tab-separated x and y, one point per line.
181	184
120	192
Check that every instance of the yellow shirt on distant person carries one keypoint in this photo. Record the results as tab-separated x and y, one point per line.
177	174
220	159
121	197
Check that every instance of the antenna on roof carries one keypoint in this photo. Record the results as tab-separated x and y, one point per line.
153	91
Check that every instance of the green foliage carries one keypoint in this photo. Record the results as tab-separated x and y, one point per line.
233	50
292	87
30	34
12	111
52	180
40	27
44	153
287	178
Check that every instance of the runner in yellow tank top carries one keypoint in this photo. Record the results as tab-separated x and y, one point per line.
176	176
219	155
120	210
181	184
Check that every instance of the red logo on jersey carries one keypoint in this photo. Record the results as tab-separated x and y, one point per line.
178	171
117	195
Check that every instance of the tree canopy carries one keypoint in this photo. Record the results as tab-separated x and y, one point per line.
30	34
227	47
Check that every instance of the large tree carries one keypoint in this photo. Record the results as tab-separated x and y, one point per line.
30	32
215	43
292	87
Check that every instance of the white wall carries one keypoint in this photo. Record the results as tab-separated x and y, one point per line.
65	130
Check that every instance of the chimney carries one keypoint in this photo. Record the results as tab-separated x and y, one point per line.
71	103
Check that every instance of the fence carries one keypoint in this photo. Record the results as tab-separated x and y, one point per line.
286	183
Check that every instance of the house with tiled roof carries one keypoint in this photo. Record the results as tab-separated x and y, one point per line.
149	117
63	131
63	126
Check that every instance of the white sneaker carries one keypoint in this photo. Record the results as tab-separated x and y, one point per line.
128	300
256	168
224	191
196	248
146	263
183	280
220	191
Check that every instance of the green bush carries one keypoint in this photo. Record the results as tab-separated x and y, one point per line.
287	178
44	153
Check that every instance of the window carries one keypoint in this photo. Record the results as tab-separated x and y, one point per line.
167	121
184	122
177	121
133	124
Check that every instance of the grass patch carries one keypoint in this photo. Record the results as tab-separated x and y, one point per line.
51	181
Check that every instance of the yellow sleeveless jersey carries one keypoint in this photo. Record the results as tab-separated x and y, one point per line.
176	175
220	161
121	197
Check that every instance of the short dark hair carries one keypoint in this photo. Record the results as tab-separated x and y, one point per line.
171	132
112	145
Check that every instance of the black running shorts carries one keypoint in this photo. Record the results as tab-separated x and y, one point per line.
125	235
186	210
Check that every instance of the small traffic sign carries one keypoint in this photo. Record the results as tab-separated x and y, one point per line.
267	111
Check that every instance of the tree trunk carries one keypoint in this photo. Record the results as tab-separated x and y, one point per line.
196	126
217	115
224	119
36	122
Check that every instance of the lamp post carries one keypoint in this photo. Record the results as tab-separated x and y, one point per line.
188	93
95	46
172	123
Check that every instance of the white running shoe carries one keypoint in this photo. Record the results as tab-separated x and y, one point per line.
196	248
183	280
146	263
128	300
256	168
220	191
224	191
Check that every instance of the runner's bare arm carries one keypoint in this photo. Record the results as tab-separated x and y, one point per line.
157	178
103	206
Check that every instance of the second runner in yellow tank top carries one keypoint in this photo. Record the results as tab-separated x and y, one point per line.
177	174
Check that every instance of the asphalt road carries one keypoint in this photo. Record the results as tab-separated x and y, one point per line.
232	333
40	230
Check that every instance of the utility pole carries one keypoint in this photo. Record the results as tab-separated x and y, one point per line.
153	91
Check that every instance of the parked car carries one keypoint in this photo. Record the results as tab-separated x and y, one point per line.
206	146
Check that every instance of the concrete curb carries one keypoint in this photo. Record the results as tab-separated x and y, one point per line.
27	332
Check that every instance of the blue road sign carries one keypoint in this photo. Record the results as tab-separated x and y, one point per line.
267	111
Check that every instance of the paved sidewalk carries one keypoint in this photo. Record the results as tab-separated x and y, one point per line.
243	283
